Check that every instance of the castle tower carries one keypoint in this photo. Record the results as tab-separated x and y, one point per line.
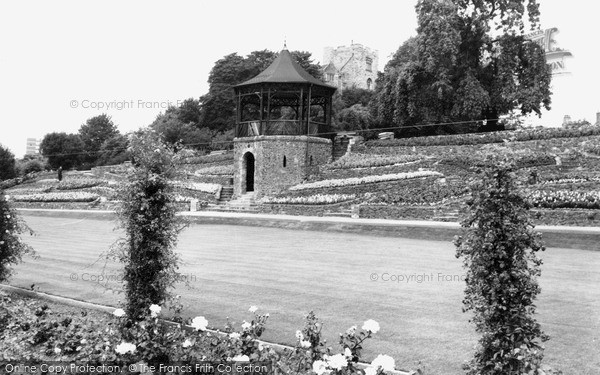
282	125
350	66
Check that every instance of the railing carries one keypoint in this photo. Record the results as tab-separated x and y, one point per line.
281	127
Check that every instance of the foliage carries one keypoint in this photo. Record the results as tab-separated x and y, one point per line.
113	150
7	164
34	331
215	170
94	133
78	183
177	133
357	160
12	248
356	117
79	196
499	249
147	216
62	150
198	186
565	199
492	137
363	180
460	69
311	199
32	166
218	105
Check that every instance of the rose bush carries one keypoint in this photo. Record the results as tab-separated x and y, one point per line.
79	196
311	199
363	180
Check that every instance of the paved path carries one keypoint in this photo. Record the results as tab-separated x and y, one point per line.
412	287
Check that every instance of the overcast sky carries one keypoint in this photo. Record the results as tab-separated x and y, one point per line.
62	60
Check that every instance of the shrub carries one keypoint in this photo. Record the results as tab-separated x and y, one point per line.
12	248
32	166
499	249
147	215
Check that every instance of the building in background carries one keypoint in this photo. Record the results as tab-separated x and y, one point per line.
350	66
33	146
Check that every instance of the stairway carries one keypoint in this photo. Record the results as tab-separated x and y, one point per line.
226	194
245	203
340	147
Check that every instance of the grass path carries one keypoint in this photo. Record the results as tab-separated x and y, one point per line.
289	272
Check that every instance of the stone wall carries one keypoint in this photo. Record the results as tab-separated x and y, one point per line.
355	64
280	161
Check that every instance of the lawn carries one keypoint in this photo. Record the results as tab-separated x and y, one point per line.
289	272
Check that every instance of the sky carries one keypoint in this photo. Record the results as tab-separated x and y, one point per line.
62	62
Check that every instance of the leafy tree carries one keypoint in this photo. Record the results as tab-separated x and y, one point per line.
499	249
189	112
113	151
62	149
147	215
94	133
177	133
31	166
356	117
469	61
7	164
12	248
218	105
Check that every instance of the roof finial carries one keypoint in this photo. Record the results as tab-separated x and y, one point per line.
285	42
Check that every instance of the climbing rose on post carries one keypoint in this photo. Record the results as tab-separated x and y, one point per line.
499	249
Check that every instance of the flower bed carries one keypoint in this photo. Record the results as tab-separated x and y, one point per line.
198	186
492	137
35	331
565	199
79	183
356	160
56	197
217	170
363	180
316	199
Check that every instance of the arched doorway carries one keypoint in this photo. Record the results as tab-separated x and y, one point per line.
249	162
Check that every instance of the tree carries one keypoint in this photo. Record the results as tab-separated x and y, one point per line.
356	117
218	105
177	133
7	164
470	61
148	217
113	151
62	149
94	133
499	249
189	112
12	248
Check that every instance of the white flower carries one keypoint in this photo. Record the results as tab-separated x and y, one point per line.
351	330
337	362
187	343
348	352
199	323
57	350
84	341
386	362
320	367
125	347
260	346
371	326
155	310
299	335
240	358
119	313
246	325
370	371
234	335
253	309
305	344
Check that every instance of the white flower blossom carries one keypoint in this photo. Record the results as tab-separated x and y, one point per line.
386	362
235	335
240	358
246	325
253	309
125	347
57	350
371	326
320	367
299	335
119	313
348	352
305	344
187	343
154	310
199	323
337	362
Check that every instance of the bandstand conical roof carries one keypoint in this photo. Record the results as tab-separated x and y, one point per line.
284	70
